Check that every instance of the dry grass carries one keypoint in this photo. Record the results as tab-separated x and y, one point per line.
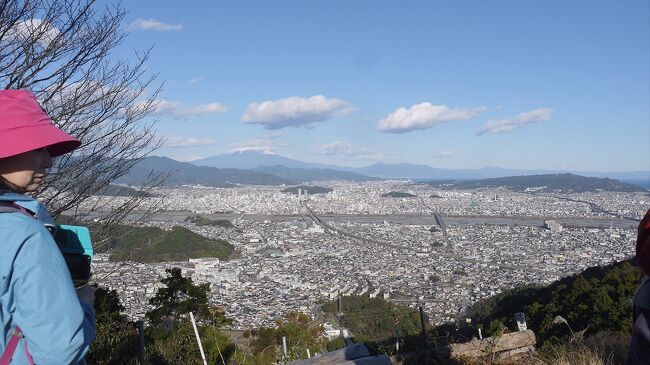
577	354
570	354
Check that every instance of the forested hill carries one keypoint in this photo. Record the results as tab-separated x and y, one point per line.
599	297
152	244
545	183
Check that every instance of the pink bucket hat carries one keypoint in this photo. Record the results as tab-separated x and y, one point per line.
25	126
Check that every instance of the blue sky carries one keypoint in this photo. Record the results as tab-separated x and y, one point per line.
455	84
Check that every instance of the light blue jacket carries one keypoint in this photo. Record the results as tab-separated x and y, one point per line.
36	291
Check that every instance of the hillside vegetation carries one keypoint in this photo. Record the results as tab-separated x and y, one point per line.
598	300
152	244
375	321
599	297
204	221
545	183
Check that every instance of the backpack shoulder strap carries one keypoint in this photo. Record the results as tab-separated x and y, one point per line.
11	347
7	207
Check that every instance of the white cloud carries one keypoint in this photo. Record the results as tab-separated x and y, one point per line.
178	110
188	158
443	154
267	143
41	32
345	149
155	25
176	142
211	108
166	107
195	80
510	124
295	111
423	116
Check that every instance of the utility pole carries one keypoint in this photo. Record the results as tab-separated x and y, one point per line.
339	304
424	331
424	328
141	336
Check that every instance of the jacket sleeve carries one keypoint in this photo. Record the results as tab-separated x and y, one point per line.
58	328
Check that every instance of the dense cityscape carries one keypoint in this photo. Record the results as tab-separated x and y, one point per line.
295	251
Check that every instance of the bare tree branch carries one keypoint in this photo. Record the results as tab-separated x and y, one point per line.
61	50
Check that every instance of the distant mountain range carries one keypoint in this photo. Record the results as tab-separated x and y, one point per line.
183	173
256	173
256	159
545	183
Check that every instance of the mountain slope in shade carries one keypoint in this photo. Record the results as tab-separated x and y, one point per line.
184	173
546	183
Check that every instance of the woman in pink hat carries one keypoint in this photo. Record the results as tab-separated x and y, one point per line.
43	319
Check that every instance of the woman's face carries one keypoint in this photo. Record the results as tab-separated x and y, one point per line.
25	172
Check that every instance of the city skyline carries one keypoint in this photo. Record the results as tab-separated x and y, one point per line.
537	86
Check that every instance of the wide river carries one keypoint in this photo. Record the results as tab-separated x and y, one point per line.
179	216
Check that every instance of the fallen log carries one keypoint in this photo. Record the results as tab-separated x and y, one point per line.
498	346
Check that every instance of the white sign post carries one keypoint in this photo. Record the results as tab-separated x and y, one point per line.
198	339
